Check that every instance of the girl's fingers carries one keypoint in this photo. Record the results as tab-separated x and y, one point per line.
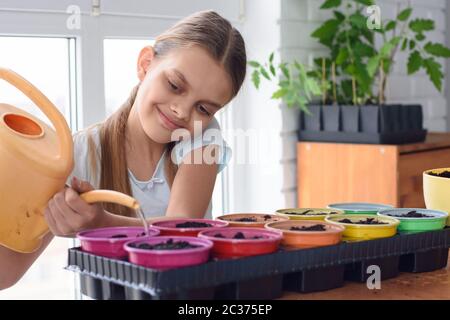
81	186
53	226
59	218
65	214
73	200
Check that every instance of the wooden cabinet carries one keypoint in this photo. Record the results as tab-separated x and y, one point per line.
390	174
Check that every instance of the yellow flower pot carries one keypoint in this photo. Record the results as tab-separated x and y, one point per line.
436	191
308	213
361	232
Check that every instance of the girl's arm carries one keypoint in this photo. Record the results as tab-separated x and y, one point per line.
190	196
192	187
13	265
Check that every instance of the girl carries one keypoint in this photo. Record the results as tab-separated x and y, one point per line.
192	71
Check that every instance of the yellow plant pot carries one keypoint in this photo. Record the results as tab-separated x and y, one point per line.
308	213
361	232
436	191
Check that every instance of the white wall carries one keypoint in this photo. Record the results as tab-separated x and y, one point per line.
256	187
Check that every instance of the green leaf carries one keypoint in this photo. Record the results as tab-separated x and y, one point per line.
434	72
395	40
412	44
404	44
420	25
437	49
358	20
280	93
372	65
420	36
390	25
363	50
386	49
414	62
330	4
365	2
254	64
271	57
272	70
285	70
256	79
342	56
313	86
326	32
405	14
264	73
339	16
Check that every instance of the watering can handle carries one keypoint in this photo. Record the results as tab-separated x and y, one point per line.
49	109
110	196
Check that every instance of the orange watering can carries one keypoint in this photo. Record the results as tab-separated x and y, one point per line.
35	162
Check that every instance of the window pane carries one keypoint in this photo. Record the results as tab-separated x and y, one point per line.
120	69
45	63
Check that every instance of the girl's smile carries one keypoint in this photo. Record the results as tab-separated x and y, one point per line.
167	122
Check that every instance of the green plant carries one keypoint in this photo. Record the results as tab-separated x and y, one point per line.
359	63
297	88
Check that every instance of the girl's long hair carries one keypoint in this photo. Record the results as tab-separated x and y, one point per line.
206	29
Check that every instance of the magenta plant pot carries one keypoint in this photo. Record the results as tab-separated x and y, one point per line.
101	241
168	227
169	259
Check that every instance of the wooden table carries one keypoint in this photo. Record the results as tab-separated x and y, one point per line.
390	174
428	285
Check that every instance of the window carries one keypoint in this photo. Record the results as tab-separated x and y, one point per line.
31	57
120	69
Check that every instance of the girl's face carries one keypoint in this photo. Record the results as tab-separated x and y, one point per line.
178	89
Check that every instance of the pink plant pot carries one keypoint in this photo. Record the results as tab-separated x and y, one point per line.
103	243
169	259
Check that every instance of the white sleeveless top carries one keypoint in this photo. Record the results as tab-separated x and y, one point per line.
153	195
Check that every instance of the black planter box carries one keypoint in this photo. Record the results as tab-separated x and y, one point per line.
261	277
370	124
350	118
425	261
389	268
313	280
101	289
265	288
194	294
331	116
312	121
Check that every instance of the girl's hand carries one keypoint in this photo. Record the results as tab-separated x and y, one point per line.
66	213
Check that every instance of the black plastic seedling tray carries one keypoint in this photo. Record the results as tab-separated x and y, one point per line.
265	276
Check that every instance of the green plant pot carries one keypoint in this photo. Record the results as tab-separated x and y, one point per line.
436	221
359	207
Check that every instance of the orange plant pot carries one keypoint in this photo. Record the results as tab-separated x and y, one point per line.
260	219
307	239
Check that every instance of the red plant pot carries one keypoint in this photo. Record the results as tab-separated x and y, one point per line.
229	247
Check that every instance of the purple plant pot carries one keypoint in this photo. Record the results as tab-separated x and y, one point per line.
101	241
169	259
